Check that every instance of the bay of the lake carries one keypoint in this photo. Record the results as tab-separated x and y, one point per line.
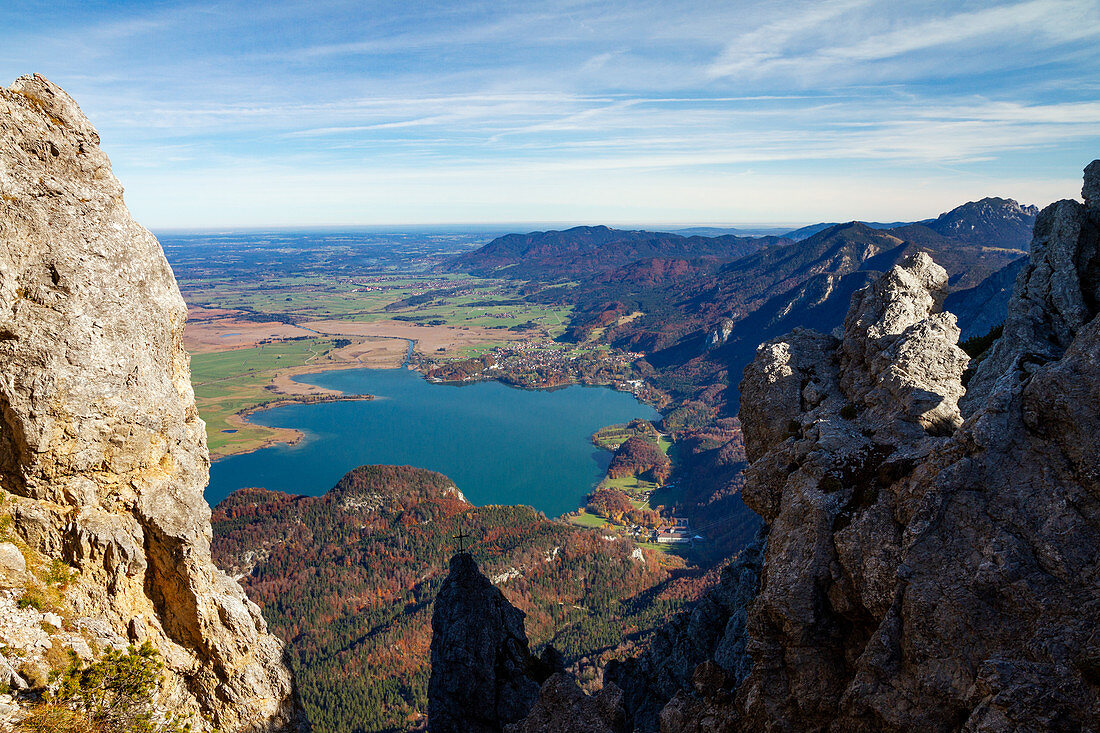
499	444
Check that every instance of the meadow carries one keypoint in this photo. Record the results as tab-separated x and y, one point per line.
250	335
230	382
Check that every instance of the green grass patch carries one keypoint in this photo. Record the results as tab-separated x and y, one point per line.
229	382
587	519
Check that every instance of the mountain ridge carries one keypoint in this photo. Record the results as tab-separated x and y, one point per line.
926	557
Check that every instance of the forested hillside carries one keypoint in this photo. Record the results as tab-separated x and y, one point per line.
583	252
348	579
698	316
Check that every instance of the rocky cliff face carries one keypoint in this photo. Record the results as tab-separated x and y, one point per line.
483	674
922	571
929	552
102	455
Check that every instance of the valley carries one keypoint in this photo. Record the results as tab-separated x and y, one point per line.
348	578
313	361
549	367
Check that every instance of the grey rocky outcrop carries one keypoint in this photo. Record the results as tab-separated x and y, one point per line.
712	632
100	443
483	674
563	707
1057	292
720	333
923	572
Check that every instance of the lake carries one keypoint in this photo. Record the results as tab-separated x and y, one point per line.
499	444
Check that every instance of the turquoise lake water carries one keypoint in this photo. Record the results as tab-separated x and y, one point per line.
499	444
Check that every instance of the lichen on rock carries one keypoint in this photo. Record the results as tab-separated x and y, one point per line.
101	448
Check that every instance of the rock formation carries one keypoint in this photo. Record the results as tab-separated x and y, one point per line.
929	554
483	674
922	572
103	457
1057	292
563	707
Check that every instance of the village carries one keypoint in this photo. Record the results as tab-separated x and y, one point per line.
545	364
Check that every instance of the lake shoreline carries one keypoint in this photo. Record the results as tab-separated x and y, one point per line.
413	362
285	436
417	424
287	390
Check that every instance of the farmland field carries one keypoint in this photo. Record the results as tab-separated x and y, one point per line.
265	307
229	383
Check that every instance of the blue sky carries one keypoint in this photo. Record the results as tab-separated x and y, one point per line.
220	114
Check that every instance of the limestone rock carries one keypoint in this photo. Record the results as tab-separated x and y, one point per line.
923	572
899	361
708	708
100	438
11	559
483	674
1056	292
9	677
720	333
563	707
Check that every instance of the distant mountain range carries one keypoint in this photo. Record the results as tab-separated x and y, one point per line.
808	231
606	255
990	220
737	231
584	251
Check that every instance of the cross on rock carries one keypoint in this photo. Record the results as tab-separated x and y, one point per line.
461	537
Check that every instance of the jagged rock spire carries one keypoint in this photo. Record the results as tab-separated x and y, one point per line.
1056	293
483	673
941	578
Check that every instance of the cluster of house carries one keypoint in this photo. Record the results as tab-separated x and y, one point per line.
676	533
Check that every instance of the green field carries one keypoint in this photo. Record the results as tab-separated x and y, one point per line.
477	302
628	484
590	520
228	382
587	519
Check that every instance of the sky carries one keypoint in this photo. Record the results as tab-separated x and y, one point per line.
277	113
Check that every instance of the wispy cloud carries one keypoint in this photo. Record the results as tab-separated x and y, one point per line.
828	35
568	103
